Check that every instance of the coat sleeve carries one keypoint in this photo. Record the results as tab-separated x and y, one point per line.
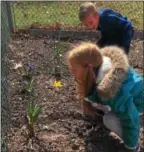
128	115
112	81
126	39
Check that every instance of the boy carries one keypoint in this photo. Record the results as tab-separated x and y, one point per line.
115	28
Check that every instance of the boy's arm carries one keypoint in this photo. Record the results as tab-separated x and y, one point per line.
112	81
101	42
126	39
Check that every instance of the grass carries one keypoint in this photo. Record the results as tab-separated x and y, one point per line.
66	13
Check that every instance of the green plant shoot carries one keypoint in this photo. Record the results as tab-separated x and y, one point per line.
28	86
32	115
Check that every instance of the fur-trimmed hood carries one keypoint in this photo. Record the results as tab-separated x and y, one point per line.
112	81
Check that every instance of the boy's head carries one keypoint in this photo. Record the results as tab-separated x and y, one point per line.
85	55
88	15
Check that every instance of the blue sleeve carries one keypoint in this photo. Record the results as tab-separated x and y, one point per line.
126	39
114	19
130	123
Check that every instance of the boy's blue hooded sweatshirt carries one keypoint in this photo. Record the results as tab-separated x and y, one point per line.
115	28
127	103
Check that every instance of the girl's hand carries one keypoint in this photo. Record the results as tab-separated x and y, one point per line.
88	109
90	112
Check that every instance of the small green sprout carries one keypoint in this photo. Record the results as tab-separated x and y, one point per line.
32	115
28	87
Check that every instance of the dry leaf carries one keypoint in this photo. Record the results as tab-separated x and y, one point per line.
17	65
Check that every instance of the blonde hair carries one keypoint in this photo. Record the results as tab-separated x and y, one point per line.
84	54
86	9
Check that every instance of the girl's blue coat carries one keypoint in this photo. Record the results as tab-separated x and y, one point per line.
127	104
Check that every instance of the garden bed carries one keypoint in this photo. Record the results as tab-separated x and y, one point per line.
60	126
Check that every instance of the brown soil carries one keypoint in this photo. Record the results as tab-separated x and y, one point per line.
60	127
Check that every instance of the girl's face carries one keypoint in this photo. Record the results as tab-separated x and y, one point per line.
78	70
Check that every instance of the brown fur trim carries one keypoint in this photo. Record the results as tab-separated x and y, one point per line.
112	81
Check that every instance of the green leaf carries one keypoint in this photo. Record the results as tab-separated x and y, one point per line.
36	112
30	109
31	86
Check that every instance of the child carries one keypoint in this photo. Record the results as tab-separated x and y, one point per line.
115	28
120	87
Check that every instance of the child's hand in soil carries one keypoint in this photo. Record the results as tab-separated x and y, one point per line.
92	112
88	111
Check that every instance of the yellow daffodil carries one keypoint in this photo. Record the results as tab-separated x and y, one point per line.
57	84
